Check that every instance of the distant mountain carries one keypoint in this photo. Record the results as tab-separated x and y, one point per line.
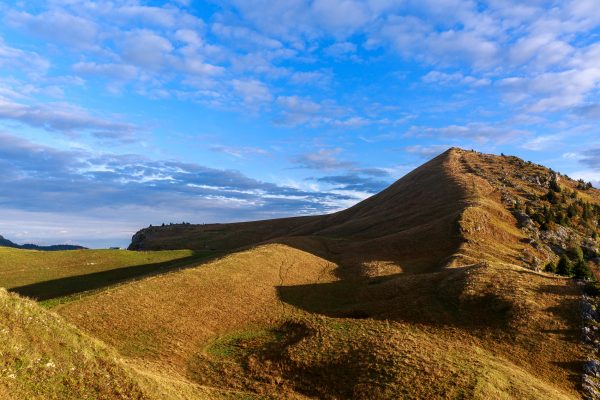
28	246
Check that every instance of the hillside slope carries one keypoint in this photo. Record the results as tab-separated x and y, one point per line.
422	291
44	358
390	227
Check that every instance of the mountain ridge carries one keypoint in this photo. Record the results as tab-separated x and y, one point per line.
476	197
28	246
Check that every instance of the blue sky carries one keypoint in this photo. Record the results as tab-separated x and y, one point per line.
119	114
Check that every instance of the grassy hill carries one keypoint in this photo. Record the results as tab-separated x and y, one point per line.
45	358
433	288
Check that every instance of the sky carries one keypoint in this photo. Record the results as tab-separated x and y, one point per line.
115	115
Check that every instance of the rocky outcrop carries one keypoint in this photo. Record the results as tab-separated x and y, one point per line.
591	336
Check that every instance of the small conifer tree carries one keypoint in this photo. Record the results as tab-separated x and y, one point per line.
564	267
550	267
581	270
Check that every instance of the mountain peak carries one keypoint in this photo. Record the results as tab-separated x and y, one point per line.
462	200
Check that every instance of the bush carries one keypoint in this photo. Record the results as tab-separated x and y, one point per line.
592	289
554	186
577	253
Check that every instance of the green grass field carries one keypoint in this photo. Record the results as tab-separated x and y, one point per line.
48	275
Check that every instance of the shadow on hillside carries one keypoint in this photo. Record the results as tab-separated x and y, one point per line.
574	369
432	298
81	283
563	311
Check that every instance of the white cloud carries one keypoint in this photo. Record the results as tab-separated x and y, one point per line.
553	91
443	78
121	72
67	119
13	58
540	50
323	159
427	151
238	151
477	131
239	35
543	142
57	26
254	93
340	49
146	49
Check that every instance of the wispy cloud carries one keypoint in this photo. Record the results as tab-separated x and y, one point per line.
323	160
66	119
41	178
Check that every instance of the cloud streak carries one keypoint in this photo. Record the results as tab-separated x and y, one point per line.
66	119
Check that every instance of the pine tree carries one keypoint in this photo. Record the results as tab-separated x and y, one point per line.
564	267
577	253
550	267
572	211
581	270
587	212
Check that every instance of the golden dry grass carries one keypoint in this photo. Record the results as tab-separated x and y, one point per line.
461	331
42	357
170	316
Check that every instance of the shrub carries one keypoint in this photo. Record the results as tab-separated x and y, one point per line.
552	197
554	186
577	253
592	289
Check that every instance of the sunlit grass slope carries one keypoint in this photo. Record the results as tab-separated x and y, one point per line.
45	275
21	267
169	317
274	321
42	357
